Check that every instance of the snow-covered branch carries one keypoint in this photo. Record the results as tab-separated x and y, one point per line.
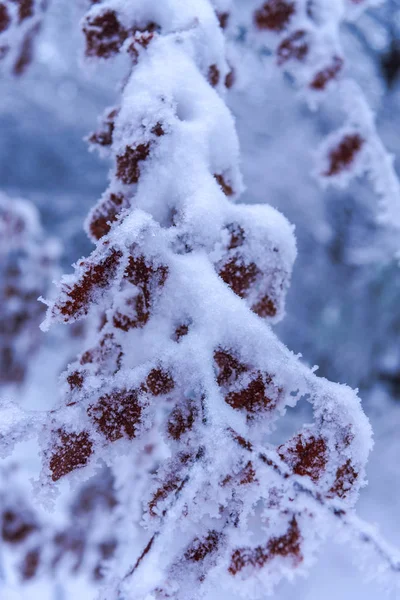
185	373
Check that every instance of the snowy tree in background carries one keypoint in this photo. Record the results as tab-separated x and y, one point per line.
38	545
28	265
182	387
34	544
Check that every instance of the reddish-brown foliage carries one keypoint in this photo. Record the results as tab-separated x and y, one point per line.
158	130
342	156
75	380
17	526
225	186
238	235
295	46
248	474
305	455
182	419
30	564
96	276
287	545
266	307
104	215
228	367
106	551
274	15
346	475
128	163
26	52
106	355
25	9
125	323
238	275
258	396
104	35
253	398
213	75
159	382
202	547
223	18
141	272
180	332
322	78
117	414
148	279
230	78
73	543
5	19
104	137
141	39
70	451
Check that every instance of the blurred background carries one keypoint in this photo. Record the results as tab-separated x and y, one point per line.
343	309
